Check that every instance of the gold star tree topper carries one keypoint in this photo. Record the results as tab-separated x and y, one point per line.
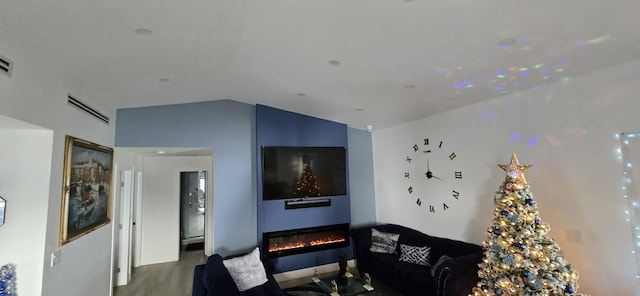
515	172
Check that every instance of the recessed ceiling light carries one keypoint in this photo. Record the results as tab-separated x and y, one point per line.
160	151
301	94
334	63
409	86
143	31
164	80
359	109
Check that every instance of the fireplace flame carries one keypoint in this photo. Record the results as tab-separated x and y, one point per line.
301	244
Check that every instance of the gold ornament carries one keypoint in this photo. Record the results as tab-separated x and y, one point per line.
515	172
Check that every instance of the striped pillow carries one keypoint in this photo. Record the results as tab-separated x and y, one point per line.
383	242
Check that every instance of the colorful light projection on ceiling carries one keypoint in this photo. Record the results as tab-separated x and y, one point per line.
554	65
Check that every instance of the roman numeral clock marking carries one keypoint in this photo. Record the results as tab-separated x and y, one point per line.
433	173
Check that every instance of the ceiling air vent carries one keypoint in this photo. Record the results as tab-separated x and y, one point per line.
5	66
87	109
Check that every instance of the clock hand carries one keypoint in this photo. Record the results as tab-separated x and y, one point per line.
430	175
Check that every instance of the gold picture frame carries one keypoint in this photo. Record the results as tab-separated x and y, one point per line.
86	188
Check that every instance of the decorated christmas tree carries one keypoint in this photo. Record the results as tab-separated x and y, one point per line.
307	185
8	280
520	259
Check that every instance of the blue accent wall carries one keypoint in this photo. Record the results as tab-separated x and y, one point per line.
233	131
276	127
226	126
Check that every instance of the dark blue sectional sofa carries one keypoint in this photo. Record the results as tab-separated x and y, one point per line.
451	277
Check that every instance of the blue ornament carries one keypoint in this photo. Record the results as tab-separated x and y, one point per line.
504	213
530	202
484	287
526	273
522	246
515	218
569	289
498	292
537	221
496	231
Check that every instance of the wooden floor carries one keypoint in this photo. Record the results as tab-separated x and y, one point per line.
173	278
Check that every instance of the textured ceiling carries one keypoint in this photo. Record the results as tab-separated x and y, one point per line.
400	60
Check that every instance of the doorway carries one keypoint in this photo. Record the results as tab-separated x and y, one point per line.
193	186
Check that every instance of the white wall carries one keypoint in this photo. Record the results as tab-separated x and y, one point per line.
161	204
35	94
25	155
566	130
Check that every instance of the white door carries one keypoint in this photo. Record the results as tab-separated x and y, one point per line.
136	223
124	247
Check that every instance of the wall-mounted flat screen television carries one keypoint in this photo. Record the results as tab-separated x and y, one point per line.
292	172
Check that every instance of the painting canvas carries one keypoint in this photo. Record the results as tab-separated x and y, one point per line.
86	190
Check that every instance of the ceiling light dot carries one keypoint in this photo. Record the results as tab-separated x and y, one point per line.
334	63
409	86
143	31
301	94
163	80
160	152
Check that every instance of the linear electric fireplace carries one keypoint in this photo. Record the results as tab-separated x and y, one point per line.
303	240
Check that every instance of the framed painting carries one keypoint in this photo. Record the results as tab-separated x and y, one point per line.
86	188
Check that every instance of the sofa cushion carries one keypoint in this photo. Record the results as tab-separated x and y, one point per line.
217	279
246	271
415	255
383	242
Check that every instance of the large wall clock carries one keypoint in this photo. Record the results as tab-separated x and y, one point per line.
433	173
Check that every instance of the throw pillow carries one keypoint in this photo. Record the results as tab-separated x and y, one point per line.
442	259
383	242
247	271
416	255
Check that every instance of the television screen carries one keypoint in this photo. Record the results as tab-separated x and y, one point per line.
290	172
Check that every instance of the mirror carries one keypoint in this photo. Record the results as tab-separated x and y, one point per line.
2	207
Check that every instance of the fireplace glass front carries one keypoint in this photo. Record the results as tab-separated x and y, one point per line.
297	241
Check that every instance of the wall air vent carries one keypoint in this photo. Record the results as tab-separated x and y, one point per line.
87	109
5	66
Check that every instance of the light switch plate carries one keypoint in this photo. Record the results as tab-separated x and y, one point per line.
55	257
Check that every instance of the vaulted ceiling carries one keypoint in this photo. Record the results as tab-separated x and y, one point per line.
359	62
